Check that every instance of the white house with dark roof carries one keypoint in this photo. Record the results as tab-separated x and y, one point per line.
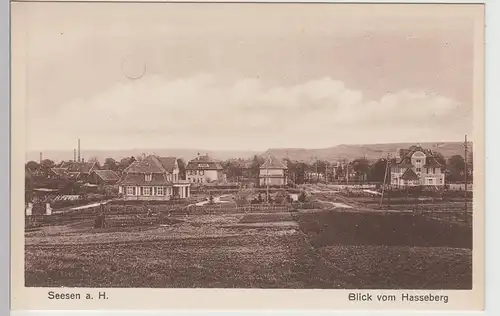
273	172
204	169
153	178
417	166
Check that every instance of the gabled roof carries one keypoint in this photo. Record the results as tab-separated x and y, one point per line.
431	162
61	172
273	163
406	154
74	166
150	164
204	163
73	175
409	174
158	167
107	175
140	179
168	163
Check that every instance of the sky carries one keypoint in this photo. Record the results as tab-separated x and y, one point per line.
244	76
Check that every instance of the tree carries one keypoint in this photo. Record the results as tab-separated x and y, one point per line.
182	168
232	169
47	164
300	172
439	158
377	171
32	165
125	162
110	164
302	197
361	167
455	168
95	160
255	166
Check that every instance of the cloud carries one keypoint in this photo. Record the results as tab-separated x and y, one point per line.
201	111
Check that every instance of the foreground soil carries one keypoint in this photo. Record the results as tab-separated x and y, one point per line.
323	249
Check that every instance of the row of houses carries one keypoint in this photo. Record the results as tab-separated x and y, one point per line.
158	178
86	172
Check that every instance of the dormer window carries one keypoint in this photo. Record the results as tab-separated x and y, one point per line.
148	177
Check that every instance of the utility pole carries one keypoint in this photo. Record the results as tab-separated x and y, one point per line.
385	179
326	172
466	178
267	178
347	171
317	173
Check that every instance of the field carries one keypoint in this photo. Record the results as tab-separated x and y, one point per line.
274	248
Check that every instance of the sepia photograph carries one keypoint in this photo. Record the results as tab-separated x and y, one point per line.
250	146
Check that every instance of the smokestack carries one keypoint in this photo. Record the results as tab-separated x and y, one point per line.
74	154
79	150
41	157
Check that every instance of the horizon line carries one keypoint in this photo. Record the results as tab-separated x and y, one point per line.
249	150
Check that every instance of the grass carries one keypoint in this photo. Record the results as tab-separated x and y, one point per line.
403	267
376	229
328	250
233	262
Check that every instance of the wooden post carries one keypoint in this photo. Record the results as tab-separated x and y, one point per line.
466	178
385	179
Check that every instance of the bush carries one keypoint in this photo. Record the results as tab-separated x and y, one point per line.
302	197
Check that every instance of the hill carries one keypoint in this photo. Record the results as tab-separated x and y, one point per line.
370	151
101	155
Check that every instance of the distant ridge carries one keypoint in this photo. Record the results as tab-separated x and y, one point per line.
101	155
335	153
369	151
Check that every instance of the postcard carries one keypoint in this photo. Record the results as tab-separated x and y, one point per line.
226	156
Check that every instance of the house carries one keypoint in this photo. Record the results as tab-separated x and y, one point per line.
57	174
204	169
153	178
417	166
273	172
103	177
78	170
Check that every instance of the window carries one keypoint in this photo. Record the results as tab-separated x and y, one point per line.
419	169
130	191
148	177
202	172
419	161
146	191
441	180
160	191
433	170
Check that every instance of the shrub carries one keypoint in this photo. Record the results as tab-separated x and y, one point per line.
302	197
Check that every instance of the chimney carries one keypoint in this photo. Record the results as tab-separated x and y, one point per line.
79	150
74	154
143	156
41	157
